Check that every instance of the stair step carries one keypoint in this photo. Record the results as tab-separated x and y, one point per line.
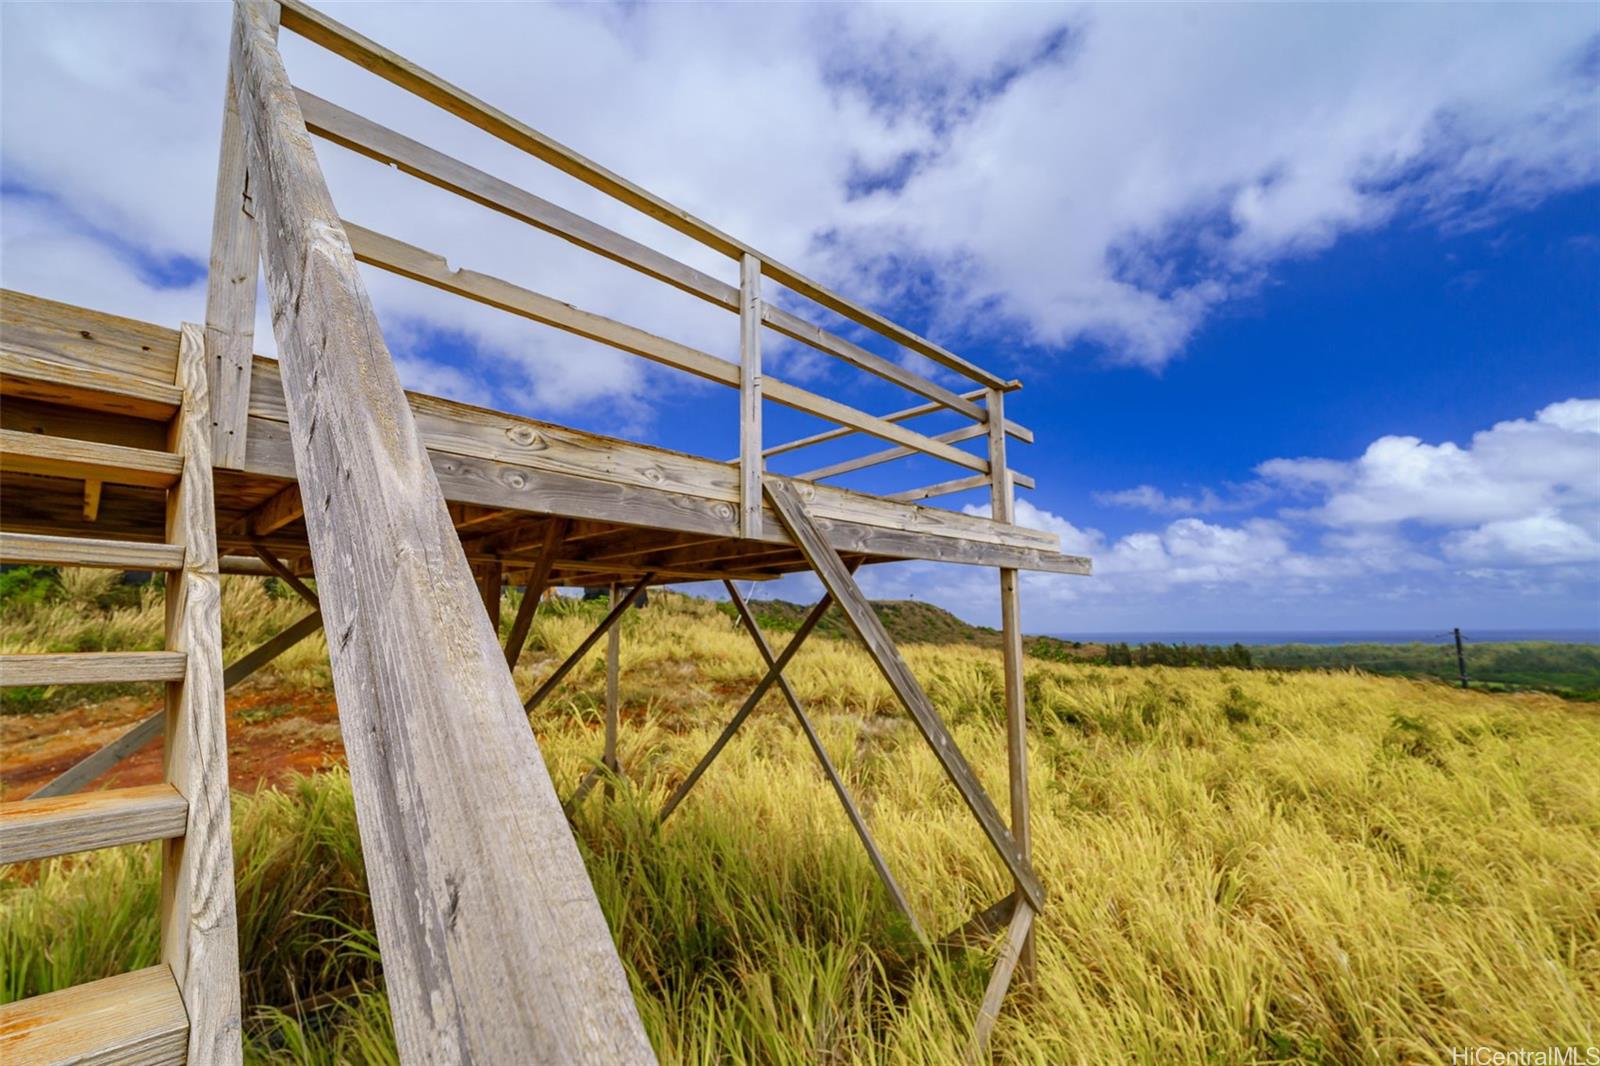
91	667
87	460
130	1018
25	375
85	821
42	548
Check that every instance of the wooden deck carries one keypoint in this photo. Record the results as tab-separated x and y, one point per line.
73	373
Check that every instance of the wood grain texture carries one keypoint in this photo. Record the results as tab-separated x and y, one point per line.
90	340
869	628
231	288
533	589
284	507
361	134
82	460
1016	729
132	1019
994	994
30	377
90	668
63	825
199	933
751	463
1022	433
524	443
429	268
44	549
341	40
494	946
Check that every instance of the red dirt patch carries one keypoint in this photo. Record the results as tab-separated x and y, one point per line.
273	734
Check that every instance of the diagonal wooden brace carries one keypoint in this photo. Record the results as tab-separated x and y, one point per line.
774	672
588	642
856	820
1000	980
836	578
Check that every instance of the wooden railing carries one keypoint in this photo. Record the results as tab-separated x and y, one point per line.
982	406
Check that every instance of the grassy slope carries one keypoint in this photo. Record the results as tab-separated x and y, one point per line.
1246	866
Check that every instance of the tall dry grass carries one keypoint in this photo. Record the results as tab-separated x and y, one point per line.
1245	866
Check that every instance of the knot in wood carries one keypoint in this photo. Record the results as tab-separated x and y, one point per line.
526	437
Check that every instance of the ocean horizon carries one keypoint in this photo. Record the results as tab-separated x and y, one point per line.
1258	638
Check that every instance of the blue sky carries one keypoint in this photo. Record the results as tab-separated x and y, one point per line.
1306	299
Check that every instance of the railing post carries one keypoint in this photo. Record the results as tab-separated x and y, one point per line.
750	458
1002	509
231	286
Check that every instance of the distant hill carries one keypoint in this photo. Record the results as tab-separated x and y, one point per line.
914	622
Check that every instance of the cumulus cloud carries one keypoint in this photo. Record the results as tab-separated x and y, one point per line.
1514	482
1027	170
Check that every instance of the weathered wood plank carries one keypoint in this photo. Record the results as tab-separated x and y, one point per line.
867	626
231	288
44	549
933	534
341	40
533	589
63	825
428	268
84	460
90	668
91	766
284	507
133	1019
960	484
92	341
1021	433
475	433
1017	934
1016	730
494	945
862	462
29	377
361	134
199	935
750	460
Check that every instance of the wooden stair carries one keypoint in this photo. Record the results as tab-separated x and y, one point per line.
186	1009
61	825
130	1018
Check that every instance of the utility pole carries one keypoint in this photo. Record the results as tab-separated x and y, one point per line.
1461	658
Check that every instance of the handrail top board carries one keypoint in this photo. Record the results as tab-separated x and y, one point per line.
316	27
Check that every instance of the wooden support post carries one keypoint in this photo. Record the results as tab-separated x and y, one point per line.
613	688
533	589
491	576
750	458
199	935
774	672
588	642
1002	509
494	945
231	284
857	822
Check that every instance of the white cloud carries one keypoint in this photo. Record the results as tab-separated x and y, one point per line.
1058	181
1537	540
1509	472
1206	501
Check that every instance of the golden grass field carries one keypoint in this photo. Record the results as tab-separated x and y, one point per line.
1245	866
